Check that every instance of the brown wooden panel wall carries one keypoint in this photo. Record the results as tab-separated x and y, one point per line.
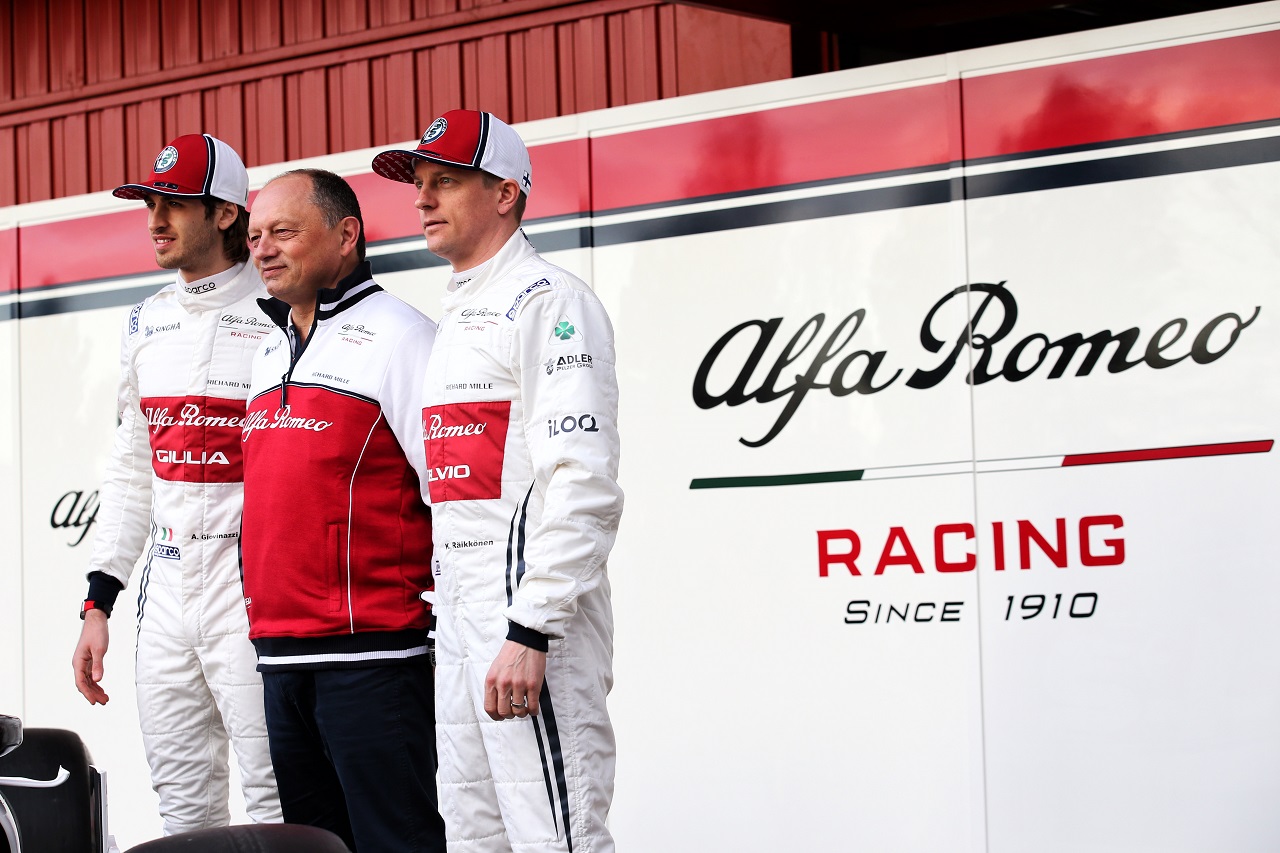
91	90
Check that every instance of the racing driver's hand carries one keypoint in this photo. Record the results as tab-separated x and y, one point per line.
514	681
87	660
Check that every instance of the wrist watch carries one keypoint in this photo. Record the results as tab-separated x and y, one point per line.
90	604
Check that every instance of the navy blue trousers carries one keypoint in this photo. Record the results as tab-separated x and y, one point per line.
355	753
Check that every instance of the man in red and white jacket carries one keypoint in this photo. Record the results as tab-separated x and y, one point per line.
337	540
174	485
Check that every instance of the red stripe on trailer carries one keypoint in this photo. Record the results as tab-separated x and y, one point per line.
9	264
1226	449
561	179
53	253
387	207
1085	102
864	134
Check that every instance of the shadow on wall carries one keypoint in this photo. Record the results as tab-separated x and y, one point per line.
1071	110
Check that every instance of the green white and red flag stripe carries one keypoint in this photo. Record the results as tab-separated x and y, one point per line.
988	466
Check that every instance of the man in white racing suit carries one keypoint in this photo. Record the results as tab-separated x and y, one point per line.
519	421
174	492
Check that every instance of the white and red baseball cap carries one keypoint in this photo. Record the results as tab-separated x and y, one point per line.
467	139
192	166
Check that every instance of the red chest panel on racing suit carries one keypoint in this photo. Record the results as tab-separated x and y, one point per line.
465	443
195	439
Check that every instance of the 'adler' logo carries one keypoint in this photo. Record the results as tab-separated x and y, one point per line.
568	362
167	160
437	129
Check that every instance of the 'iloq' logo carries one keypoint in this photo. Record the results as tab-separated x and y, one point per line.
571	423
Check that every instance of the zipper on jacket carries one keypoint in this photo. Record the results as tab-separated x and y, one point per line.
294	356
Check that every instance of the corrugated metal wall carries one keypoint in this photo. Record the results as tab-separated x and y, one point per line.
90	90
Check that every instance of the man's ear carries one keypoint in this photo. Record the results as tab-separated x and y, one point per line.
508	194
350	234
226	214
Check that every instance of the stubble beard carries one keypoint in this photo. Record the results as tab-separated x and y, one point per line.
197	249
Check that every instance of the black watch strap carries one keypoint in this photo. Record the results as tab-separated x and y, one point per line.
90	604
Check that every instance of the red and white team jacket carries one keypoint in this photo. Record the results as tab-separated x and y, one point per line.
520	427
175	478
337	540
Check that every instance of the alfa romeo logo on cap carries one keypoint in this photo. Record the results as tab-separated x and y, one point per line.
437	129
167	160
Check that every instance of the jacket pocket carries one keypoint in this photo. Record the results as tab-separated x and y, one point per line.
335	565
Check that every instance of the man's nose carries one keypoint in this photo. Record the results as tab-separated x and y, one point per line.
425	198
156	217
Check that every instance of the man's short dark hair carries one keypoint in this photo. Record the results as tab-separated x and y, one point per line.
336	200
491	181
235	239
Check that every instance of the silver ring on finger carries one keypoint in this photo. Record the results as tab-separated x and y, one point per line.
515	704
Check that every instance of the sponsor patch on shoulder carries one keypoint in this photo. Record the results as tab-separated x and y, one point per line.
565	331
133	318
524	294
569	362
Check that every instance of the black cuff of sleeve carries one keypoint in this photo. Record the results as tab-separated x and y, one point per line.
535	640
103	590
